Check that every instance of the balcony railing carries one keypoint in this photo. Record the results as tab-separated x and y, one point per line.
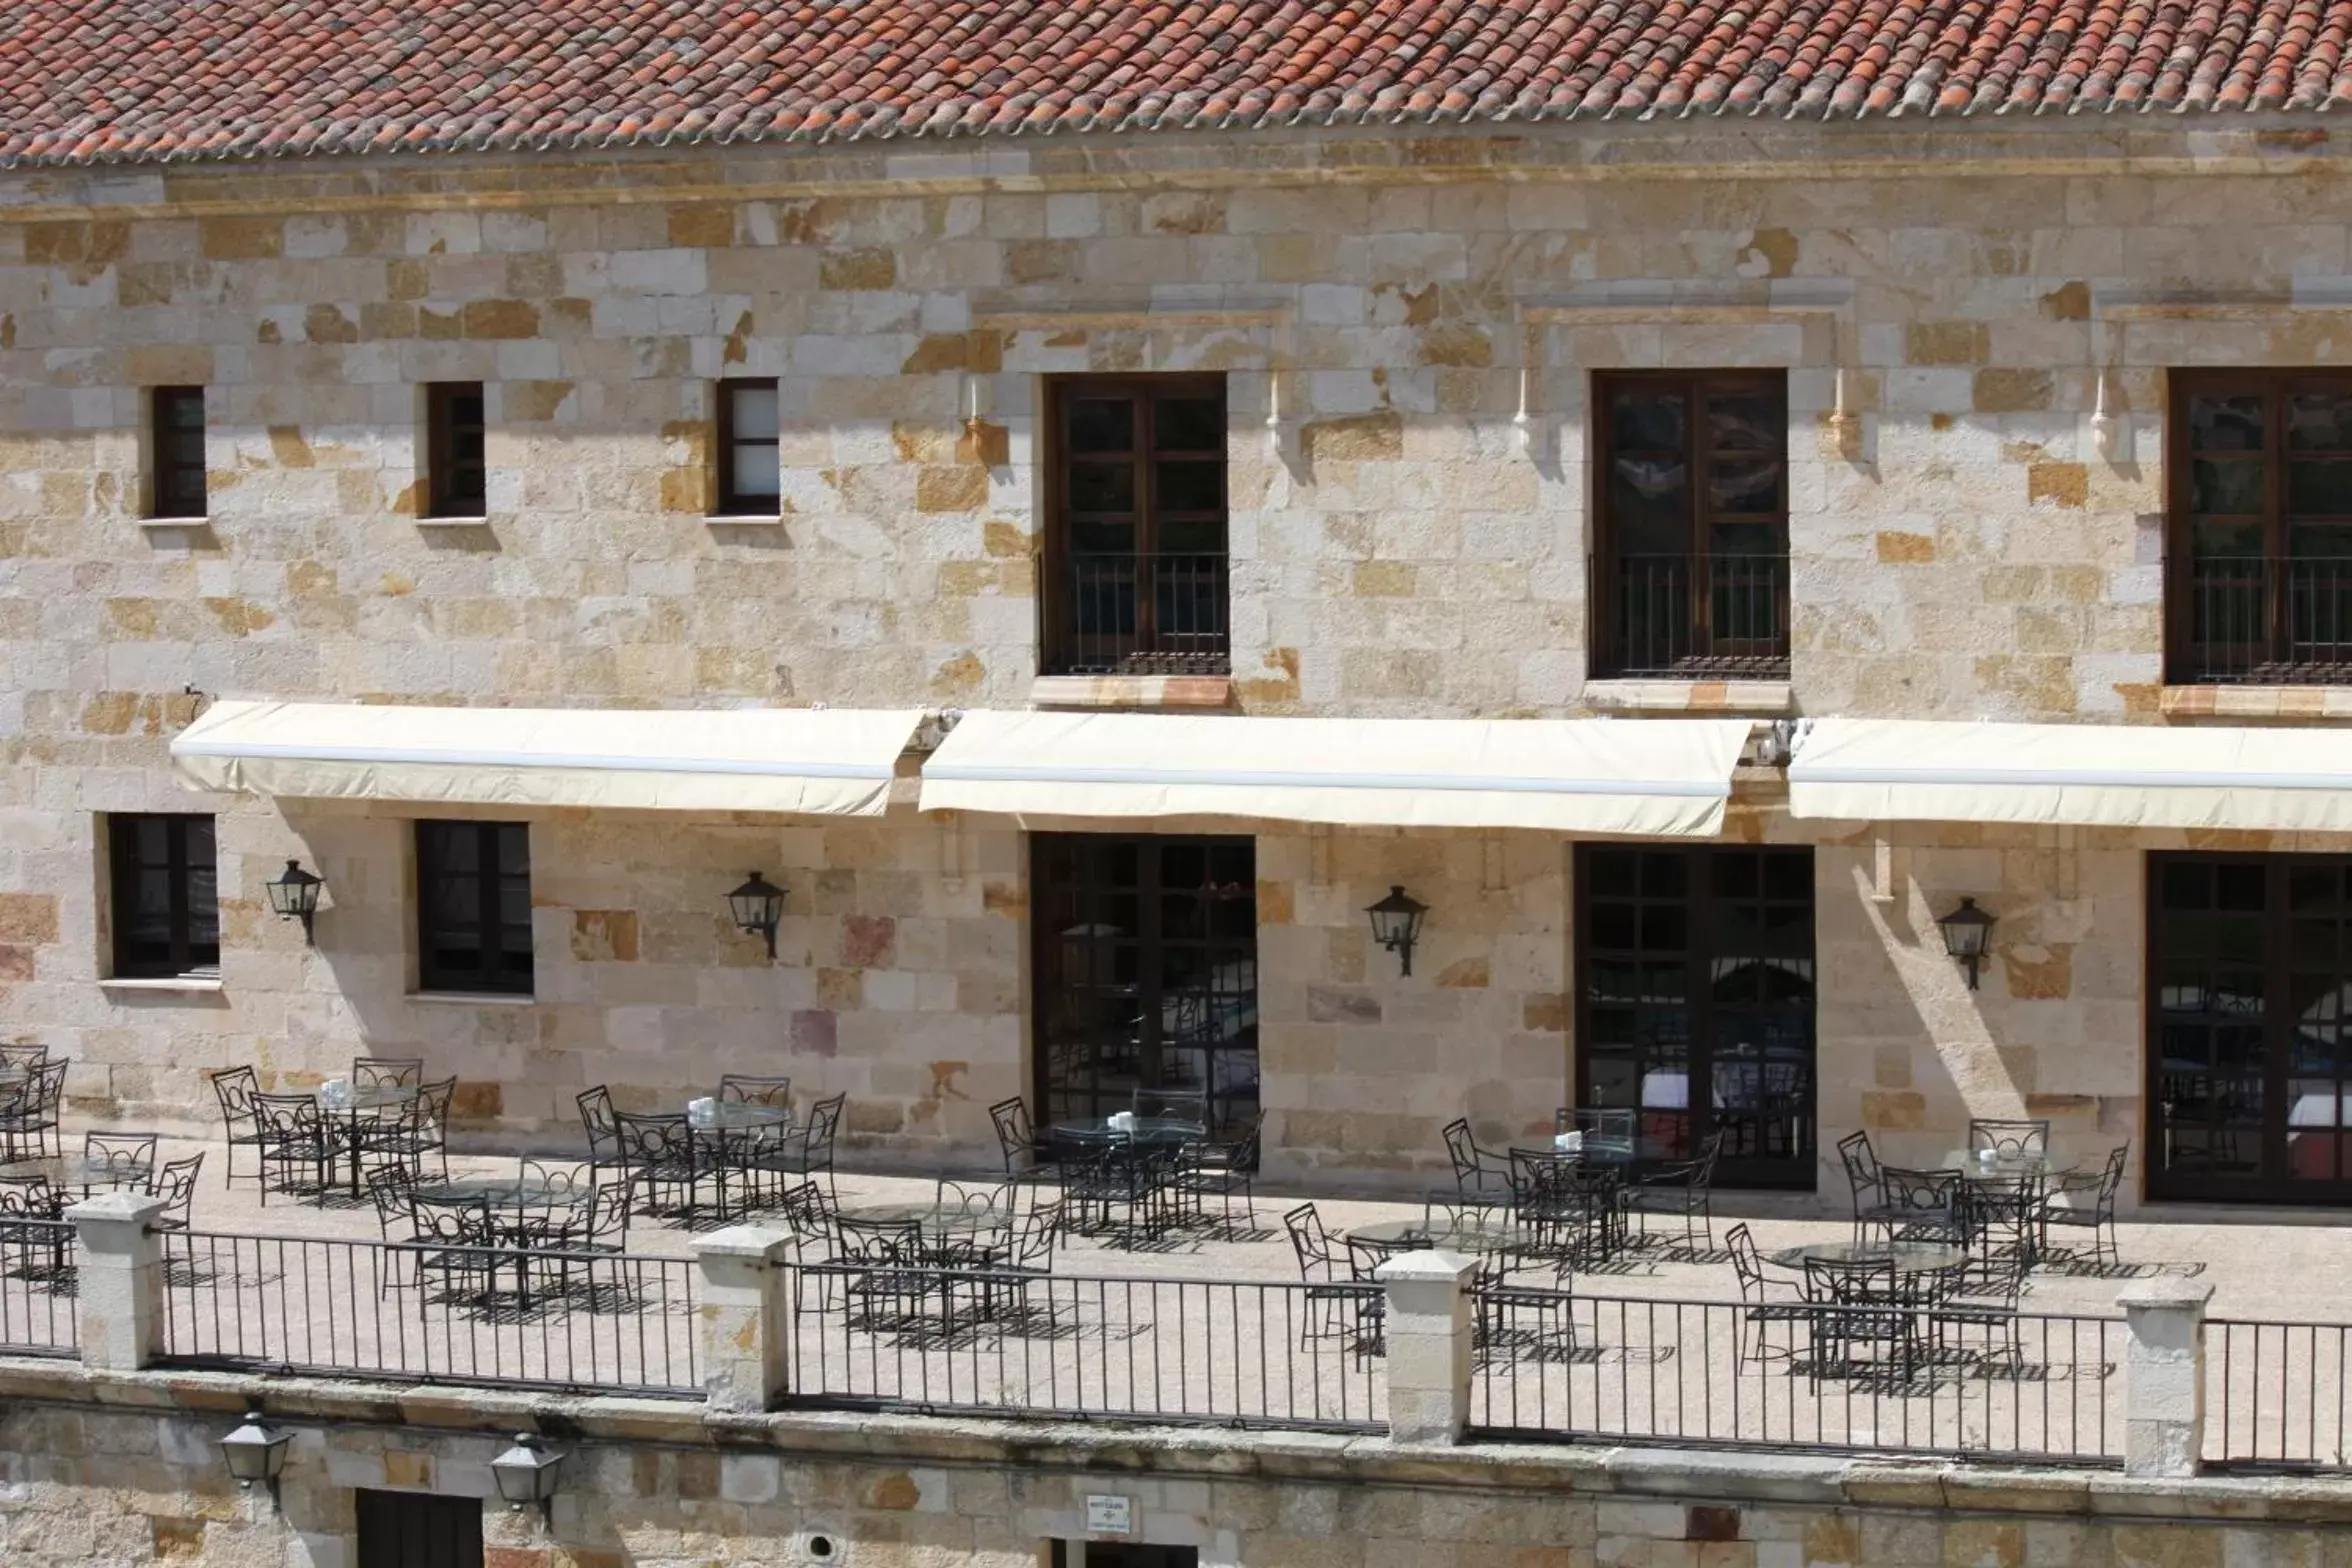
2267	621
1143	615
1680	617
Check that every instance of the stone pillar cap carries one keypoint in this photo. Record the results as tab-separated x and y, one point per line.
2166	1291
758	1243
1434	1266
119	1207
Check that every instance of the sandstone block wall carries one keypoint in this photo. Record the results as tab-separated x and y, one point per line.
1944	305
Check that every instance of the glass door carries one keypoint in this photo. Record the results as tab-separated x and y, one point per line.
1696	1002
1147	974
2249	1063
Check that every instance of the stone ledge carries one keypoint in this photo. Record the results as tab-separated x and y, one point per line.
1131	691
470	999
181	985
2256	702
1763	699
1592	1470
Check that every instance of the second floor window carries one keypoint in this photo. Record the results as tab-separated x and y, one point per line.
474	907
176	437
1135	532
456	480
1690	556
751	479
166	904
2258	576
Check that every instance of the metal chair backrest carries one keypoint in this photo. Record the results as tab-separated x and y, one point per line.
1702	1171
49	1087
128	1157
1311	1243
1920	1192
387	1072
391	1188
606	1224
2111	1179
652	1139
561	1183
1746	1262
1013	1133
877	1241
2022	1138
596	1115
775	1093
235	1088
27	1197
1861	1162
807	1210
175	1184
824	1120
1034	1238
1843	1282
29	1057
1464	1150
429	1111
286	1115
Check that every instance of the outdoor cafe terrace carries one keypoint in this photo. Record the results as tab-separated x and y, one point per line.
1220	1311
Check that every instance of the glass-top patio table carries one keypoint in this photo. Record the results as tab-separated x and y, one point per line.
1483	1236
1906	1257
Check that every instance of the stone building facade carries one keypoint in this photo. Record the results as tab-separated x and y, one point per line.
1978	329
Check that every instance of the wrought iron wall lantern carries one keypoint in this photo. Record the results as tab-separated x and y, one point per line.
758	906
528	1474
1967	932
1396	924
294	895
256	1451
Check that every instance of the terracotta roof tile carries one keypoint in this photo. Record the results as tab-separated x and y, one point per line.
142	80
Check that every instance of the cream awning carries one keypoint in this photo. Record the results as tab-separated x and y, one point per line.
2103	775
1663	777
826	762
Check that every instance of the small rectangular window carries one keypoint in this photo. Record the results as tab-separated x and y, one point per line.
176	445
1690	517
474	907
750	426
418	1530
455	478
166	905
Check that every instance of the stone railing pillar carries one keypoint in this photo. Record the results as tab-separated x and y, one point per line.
745	1312
118	1279
2164	1377
1428	1333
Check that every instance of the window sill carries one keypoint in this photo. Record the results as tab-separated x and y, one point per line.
745	519
478	520
192	985
472	999
193	520
1131	691
2258	702
1759	699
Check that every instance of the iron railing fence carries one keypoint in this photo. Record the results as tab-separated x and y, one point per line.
2267	620
1679	616
38	1312
575	1321
2275	1396
2022	1388
1152	614
1219	1352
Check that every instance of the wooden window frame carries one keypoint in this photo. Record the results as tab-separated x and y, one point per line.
731	502
163	464
2274	385
442	427
1056	604
490	977
1609	650
191	951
